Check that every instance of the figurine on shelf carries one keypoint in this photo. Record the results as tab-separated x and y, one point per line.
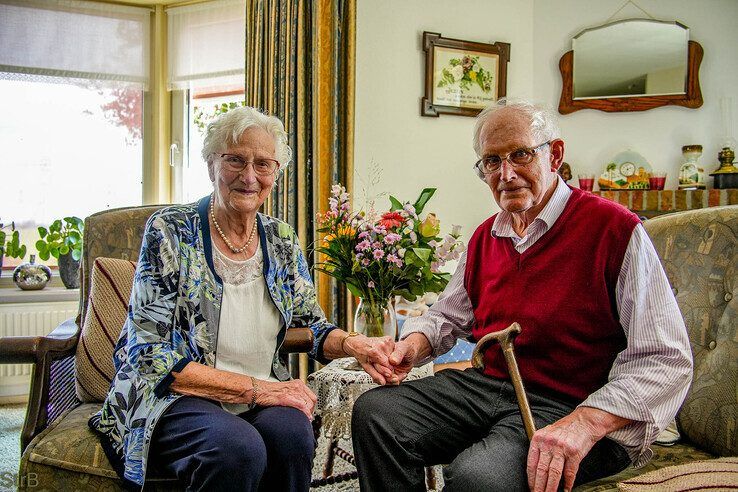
691	174
565	172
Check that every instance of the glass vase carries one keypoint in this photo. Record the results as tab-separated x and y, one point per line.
375	318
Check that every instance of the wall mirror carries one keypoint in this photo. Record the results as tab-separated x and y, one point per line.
631	65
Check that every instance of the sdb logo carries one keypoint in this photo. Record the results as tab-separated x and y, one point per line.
11	480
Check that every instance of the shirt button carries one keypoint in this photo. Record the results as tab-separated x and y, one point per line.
674	291
728	297
712	345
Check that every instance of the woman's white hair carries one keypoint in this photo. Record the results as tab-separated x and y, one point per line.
226	131
544	123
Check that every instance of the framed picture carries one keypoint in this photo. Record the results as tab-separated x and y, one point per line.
462	77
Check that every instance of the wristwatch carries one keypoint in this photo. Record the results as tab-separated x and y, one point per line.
346	337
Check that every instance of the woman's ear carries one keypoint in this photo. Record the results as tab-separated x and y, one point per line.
211	171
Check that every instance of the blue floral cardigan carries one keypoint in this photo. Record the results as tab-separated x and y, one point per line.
173	319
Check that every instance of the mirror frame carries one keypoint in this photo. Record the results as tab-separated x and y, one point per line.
692	98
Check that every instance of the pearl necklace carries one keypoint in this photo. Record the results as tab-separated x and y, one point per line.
220	231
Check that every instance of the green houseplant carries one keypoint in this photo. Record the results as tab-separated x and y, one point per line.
63	241
12	248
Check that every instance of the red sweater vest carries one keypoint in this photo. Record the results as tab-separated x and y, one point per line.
562	292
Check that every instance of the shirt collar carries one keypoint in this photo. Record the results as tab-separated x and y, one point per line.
502	226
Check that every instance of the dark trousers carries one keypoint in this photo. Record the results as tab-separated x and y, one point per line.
463	418
207	448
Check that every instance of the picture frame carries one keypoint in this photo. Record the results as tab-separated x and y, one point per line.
462	77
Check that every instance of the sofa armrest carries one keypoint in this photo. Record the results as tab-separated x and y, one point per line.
31	349
297	340
42	352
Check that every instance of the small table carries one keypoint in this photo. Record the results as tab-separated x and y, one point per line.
337	387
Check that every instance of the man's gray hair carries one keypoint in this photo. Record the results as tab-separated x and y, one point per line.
226	131
544	123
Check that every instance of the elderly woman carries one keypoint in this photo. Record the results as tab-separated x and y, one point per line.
200	390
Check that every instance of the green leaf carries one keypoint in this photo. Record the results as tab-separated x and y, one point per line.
422	253
63	250
44	255
76	254
22	252
41	246
425	195
355	290
396	204
42	232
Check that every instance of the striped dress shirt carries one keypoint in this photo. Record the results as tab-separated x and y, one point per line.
649	378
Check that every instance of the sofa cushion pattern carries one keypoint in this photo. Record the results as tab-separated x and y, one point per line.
663	456
698	250
113	233
717	474
107	308
67	455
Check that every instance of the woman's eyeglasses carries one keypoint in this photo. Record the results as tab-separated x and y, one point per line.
236	163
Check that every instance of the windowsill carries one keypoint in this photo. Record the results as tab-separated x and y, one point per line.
53	292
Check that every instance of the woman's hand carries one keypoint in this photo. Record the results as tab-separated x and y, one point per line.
293	393
373	355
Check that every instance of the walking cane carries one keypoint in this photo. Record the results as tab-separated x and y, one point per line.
505	339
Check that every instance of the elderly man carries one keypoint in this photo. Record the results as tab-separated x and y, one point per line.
604	351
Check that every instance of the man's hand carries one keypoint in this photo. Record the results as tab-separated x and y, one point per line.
373	355
559	448
406	353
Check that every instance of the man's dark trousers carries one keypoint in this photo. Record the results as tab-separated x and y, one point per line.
465	419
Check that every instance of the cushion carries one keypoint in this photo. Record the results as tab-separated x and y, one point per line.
719	474
107	308
663	456
67	455
699	252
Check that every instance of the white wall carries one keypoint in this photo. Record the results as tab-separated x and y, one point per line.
413	151
594	137
416	152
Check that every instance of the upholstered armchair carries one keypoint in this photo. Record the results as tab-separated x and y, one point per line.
73	364
699	252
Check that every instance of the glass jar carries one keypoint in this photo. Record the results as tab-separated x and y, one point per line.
691	174
375	318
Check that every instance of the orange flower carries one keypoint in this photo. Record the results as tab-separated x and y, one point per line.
391	220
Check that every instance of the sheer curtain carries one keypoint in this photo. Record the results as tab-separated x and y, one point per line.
206	45
74	40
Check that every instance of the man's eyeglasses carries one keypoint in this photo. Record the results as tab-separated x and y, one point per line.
236	163
519	157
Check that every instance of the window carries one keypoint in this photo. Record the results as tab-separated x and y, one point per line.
206	71
68	149
72	79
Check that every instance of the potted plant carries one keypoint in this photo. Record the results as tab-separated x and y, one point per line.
63	241
12	248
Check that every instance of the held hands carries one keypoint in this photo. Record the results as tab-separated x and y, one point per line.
293	393
373	355
384	360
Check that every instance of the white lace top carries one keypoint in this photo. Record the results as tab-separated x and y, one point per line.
249	320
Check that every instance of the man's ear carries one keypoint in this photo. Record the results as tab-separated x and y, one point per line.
557	154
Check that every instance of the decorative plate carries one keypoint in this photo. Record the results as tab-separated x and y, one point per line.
628	170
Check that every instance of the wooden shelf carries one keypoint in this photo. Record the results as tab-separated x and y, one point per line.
653	202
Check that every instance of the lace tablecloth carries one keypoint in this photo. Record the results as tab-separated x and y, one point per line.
337	387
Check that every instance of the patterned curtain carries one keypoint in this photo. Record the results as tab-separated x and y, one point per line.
300	64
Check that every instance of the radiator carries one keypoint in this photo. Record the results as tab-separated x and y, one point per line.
28	319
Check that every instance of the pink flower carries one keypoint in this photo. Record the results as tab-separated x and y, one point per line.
376	245
365	262
363	245
370	284
392	238
363	235
378	254
394	259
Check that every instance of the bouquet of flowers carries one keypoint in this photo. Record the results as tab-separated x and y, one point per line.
379	256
